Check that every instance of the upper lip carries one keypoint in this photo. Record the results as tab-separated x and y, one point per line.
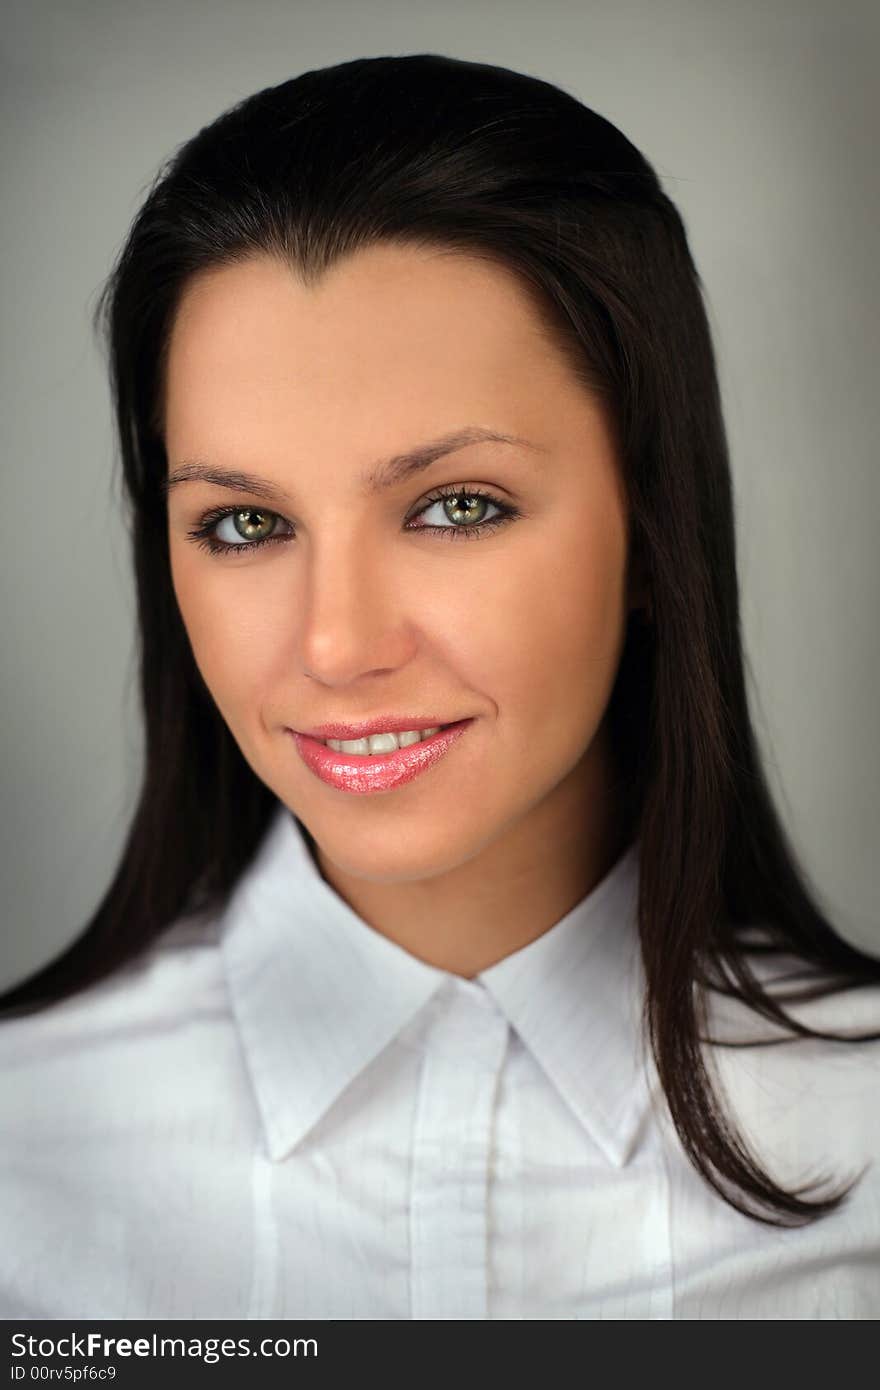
382	724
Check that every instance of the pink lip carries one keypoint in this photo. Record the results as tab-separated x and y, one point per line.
375	772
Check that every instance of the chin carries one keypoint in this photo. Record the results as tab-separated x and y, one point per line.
423	851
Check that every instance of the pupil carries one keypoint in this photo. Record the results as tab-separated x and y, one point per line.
248	519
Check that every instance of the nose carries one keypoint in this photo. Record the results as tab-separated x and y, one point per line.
353	610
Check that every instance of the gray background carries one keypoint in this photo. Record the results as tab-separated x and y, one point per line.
761	120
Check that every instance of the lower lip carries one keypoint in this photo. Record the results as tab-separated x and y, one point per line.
376	772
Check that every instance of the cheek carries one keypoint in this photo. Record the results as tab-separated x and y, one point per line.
232	634
553	636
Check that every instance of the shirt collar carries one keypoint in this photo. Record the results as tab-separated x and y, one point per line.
574	996
317	994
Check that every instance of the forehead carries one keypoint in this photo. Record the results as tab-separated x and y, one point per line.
413	331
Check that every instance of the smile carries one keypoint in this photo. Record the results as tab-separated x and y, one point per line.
380	762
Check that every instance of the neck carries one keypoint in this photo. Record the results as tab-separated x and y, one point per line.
513	890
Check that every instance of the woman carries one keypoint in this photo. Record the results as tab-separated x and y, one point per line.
448	860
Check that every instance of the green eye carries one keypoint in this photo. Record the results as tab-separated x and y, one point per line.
253	525
464	509
473	510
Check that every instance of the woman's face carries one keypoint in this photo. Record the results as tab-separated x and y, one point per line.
354	608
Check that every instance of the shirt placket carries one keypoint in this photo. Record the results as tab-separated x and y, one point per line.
465	1048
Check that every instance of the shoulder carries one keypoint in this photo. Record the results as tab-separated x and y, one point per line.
127	1014
810	1105
107	1096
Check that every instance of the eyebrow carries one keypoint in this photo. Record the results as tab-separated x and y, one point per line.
382	474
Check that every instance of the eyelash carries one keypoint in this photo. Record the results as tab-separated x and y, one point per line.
201	534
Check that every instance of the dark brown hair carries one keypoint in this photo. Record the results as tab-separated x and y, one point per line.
430	150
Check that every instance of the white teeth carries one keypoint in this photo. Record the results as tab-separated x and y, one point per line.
380	743
412	736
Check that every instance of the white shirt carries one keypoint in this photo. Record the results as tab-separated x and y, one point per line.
280	1113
